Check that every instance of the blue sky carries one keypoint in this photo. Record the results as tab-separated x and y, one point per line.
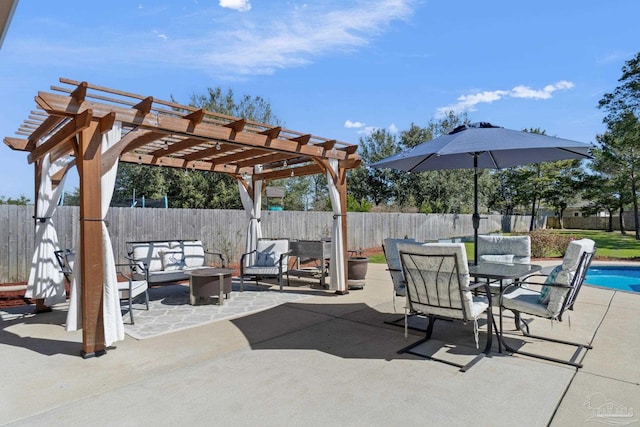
336	69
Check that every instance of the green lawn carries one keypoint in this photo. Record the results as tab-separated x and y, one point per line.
610	245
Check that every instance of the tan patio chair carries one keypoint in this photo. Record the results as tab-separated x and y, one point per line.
271	260
558	295
438	286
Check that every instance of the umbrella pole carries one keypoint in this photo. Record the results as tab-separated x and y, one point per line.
476	217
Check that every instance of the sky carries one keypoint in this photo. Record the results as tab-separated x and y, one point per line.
335	69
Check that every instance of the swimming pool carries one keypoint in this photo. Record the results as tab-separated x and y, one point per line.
623	278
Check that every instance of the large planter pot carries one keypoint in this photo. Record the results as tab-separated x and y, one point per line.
357	268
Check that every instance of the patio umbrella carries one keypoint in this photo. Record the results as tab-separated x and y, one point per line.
483	145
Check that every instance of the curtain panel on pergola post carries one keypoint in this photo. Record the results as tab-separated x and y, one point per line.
71	120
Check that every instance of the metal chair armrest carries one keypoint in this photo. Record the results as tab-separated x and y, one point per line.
219	254
487	289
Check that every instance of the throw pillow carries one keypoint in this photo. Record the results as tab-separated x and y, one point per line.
172	260
267	259
546	290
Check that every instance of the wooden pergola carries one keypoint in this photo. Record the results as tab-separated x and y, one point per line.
71	119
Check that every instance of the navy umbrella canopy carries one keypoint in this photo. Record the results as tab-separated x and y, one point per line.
484	146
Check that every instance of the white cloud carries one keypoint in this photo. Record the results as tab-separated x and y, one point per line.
363	129
299	36
277	36
162	36
239	5
469	102
351	125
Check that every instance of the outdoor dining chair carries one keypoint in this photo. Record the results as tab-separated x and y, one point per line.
438	287
390	249
503	249
553	299
392	256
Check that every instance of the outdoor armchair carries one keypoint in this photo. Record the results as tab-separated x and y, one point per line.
557	295
65	259
130	290
271	259
439	287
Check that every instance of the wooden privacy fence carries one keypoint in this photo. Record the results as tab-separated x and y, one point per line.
225	230
594	222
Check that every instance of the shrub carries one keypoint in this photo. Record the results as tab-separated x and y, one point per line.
548	244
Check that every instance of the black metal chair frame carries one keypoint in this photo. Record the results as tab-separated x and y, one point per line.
62	256
569	301
441	303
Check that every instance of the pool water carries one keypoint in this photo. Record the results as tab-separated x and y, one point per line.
621	278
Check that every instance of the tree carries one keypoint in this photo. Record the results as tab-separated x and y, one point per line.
194	189
620	146
621	142
22	200
626	97
606	188
367	183
563	184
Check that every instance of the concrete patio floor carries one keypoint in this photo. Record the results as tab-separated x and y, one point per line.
326	360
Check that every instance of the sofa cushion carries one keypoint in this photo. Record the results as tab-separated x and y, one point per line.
150	254
193	253
167	276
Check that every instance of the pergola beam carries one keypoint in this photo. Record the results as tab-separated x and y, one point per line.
70	130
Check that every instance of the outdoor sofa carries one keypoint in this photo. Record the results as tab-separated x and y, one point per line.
162	261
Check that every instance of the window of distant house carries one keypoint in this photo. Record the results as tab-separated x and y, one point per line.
576	214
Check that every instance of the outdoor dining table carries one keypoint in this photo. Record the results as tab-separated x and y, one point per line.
499	272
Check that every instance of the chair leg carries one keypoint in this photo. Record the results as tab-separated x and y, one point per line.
463	368
490	323
241	283
130	307
572	361
429	331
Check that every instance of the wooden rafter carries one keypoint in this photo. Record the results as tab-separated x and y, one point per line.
158	132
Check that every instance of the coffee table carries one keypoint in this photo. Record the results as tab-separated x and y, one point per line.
205	283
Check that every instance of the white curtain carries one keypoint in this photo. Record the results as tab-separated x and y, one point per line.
112	316
337	270
45	279
113	326
253	208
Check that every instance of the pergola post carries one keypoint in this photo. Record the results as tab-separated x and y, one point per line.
40	306
341	184
91	274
